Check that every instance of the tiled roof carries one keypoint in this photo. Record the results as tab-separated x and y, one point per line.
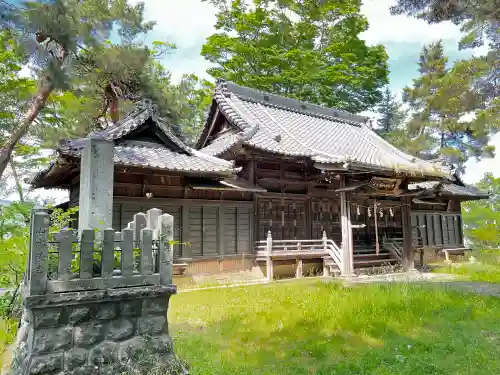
450	189
175	156
290	127
142	112
143	154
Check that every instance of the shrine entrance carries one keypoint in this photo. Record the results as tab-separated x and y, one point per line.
374	221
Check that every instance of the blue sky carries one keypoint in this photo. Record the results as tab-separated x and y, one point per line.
188	22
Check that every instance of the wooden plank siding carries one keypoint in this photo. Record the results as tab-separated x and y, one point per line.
437	229
206	229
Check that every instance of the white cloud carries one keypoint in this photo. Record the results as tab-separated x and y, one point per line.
188	22
475	170
385	27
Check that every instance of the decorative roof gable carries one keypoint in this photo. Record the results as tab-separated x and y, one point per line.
142	139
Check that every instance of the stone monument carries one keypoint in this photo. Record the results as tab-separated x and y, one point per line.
93	303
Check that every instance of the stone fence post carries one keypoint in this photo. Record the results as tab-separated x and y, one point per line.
87	323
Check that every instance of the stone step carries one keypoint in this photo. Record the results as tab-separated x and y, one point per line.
374	263
366	249
372	256
330	262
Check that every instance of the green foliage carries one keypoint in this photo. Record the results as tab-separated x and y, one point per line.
391	121
14	244
183	105
486	268
8	331
62	219
479	23
482	218
440	99
392	115
67	30
311	327
479	19
65	43
14	239
14	89
308	50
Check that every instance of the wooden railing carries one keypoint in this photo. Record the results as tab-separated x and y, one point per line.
273	247
333	250
323	246
136	256
395	247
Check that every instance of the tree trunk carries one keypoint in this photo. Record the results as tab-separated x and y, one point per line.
19	185
32	112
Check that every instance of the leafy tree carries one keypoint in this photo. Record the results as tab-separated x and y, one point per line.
14	233
439	99
182	104
482	218
479	21
195	96
66	41
309	50
392	113
14	91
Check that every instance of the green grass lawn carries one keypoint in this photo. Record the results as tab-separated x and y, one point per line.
487	268
472	271
310	327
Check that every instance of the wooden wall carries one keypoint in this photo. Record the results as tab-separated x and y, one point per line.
206	229
437	229
437	225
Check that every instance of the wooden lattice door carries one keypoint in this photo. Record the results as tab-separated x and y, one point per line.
326	217
284	217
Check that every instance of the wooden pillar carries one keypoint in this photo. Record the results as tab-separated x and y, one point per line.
309	211
251	171
299	268
269	260
186	248
408	248
347	243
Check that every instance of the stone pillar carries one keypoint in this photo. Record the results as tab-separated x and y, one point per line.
96	185
93	332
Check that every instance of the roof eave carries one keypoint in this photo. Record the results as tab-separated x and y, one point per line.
356	166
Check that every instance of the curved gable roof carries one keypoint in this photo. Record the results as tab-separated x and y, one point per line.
169	154
290	127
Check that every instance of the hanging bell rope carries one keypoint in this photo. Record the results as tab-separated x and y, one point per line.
377	246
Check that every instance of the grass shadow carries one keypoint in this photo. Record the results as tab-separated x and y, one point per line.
317	328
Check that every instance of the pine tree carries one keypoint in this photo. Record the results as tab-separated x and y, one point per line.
392	115
479	21
440	100
66	39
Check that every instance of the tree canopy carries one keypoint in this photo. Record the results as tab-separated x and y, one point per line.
391	113
482	218
479	22
442	102
308	50
66	46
